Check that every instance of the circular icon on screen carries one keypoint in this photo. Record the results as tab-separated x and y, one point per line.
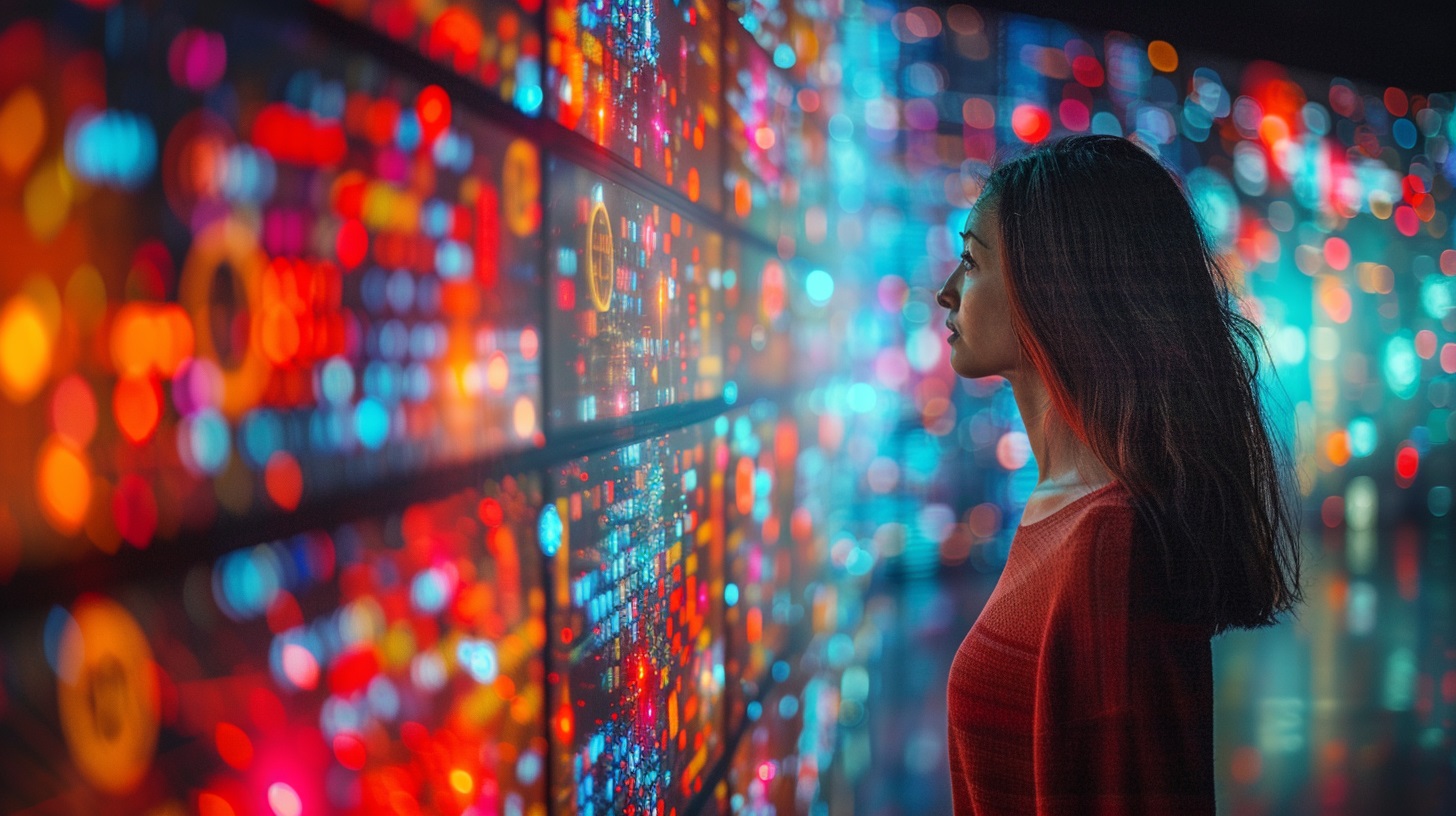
599	257
107	695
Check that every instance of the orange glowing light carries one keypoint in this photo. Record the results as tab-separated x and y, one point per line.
1162	56
22	120
137	406
73	411
1337	448
461	781
25	349
63	484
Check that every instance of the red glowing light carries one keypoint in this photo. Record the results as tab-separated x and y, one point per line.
353	670
1337	253
233	745
1030	123
134	509
293	136
433	107
352	244
1407	462
350	751
1087	71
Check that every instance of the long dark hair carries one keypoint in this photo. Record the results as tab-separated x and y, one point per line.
1121	304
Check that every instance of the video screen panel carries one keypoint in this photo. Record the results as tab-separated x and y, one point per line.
391	663
643	81
636	302
759	613
277	273
493	43
635	540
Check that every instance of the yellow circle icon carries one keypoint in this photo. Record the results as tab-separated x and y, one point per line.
107	695
599	257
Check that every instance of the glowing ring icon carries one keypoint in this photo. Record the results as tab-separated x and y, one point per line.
599	257
107	695
228	242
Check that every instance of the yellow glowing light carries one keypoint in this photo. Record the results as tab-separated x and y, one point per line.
1163	56
48	199
521	188
63	484
523	418
25	349
107	695
22	120
461	781
497	372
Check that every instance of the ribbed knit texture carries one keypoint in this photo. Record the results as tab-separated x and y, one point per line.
1071	694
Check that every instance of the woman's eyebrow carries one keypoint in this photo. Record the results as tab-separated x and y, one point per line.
970	234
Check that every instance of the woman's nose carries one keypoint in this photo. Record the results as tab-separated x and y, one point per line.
943	297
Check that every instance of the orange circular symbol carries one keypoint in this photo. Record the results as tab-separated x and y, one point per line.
107	695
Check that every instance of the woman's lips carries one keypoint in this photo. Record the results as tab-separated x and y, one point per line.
953	333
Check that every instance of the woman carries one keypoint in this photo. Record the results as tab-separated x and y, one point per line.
1159	519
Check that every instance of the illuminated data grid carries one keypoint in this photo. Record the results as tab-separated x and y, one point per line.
636	626
642	80
394	662
495	43
636	296
760	611
308	284
758	338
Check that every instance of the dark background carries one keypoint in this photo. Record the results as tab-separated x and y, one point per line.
1392	42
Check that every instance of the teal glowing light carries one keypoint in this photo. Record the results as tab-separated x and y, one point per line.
549	530
113	147
819	286
371	424
1402	368
1363	436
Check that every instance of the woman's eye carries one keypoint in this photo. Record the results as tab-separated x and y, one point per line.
966	259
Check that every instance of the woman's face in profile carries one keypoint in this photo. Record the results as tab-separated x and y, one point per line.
982	342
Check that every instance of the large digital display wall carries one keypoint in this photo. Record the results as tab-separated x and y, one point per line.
324	333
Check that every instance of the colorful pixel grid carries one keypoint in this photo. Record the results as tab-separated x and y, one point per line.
636	583
643	79
637	300
391	663
280	274
495	43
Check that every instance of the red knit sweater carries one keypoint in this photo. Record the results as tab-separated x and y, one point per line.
1071	694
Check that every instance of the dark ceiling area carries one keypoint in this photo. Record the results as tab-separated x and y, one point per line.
1389	42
